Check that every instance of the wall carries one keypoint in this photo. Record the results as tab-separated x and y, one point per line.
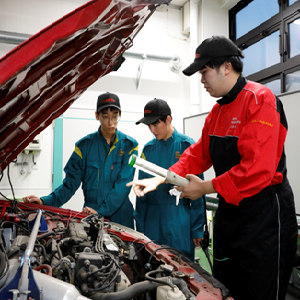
214	21
291	106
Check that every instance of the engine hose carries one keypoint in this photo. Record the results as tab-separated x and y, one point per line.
4	272
44	235
158	280
43	249
44	267
2	263
138	289
183	287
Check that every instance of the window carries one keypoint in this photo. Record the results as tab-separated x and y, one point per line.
261	55
248	18
268	32
292	81
294	29
274	86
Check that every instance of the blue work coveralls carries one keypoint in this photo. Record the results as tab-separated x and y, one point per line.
103	172
156	214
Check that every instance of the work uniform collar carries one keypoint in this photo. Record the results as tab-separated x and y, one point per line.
241	82
113	138
170	140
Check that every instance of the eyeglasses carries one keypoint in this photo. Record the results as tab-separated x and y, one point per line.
113	119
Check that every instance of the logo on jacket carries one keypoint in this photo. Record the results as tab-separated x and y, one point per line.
177	154
121	153
262	122
235	122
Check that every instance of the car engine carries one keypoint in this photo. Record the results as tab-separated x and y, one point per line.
84	258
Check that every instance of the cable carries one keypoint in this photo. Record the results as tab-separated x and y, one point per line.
218	259
143	248
7	262
23	228
138	239
2	172
164	247
101	269
12	189
34	163
72	217
5	196
117	270
205	241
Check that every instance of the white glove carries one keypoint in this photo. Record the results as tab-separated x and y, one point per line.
174	192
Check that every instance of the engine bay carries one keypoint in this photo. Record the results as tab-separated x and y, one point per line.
75	256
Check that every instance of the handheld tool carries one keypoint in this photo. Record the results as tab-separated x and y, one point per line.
153	169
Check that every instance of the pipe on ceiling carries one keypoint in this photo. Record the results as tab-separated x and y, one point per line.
175	61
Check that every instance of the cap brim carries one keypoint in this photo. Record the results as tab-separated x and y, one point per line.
108	105
148	120
195	66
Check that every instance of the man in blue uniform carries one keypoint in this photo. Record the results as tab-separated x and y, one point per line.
100	163
157	215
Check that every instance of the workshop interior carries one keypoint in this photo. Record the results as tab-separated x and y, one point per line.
56	58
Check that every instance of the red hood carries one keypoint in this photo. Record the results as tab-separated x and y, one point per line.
44	75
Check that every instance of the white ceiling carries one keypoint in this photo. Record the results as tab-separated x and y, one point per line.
178	2
225	4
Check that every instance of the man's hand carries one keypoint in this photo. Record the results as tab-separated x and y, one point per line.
196	188
142	187
89	210
32	199
197	242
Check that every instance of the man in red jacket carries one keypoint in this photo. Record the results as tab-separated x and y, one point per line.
255	233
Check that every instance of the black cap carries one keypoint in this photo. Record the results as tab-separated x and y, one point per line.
153	110
216	46
108	100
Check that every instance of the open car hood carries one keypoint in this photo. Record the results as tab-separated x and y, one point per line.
44	75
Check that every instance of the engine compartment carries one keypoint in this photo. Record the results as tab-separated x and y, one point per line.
75	256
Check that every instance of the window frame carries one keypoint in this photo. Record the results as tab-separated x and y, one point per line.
287	14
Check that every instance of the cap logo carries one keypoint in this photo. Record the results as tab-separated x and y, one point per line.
197	55
109	100
147	111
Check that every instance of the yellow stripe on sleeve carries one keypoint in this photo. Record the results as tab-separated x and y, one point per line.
143	156
77	151
136	148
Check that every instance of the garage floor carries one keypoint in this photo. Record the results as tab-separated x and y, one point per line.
292	294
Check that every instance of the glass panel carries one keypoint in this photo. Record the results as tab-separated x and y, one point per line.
294	38
292	1
274	86
262	54
292	81
254	14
